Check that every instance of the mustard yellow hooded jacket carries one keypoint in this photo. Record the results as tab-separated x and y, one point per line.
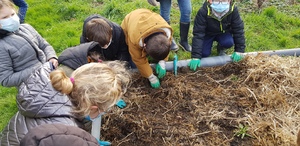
138	25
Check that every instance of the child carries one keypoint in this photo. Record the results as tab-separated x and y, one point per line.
109	35
74	57
147	33
22	48
92	89
217	20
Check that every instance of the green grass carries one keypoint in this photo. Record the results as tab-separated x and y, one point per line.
60	23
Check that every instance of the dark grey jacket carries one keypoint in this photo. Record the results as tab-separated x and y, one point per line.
58	135
20	53
207	24
76	56
38	104
118	49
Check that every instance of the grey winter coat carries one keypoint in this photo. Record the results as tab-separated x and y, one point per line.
38	104
20	53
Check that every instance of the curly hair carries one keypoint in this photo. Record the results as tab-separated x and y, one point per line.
94	84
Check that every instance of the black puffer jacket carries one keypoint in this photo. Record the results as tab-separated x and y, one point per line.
58	135
118	49
207	24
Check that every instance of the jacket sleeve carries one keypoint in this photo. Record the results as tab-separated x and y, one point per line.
123	53
238	31
43	44
140	60
9	77
198	33
37	98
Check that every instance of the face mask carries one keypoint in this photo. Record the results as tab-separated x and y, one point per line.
220	6
10	24
93	119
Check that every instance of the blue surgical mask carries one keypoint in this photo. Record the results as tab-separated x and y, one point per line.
220	7
10	24
93	119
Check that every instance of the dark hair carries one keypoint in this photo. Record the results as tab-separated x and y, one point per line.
158	46
98	30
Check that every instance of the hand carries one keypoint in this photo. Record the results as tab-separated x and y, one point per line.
154	82
54	62
236	57
103	143
161	69
194	63
121	103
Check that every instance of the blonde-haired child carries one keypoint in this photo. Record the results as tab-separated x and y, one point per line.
93	88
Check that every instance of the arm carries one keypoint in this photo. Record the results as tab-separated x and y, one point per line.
198	34
43	44
140	60
238	31
9	77
123	53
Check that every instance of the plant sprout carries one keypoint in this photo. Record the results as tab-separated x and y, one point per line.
242	131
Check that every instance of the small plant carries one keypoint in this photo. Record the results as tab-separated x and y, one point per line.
242	131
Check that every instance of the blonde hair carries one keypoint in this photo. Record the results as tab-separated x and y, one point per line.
95	84
7	3
298	139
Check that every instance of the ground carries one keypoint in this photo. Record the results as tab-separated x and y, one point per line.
252	102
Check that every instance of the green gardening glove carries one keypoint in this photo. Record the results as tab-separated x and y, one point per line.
154	81
194	63
161	69
236	57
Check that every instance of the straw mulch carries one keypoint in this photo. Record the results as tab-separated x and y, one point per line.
212	106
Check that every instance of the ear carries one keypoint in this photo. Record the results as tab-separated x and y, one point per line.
89	59
94	108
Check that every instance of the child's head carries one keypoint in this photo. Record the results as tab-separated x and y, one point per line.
94	56
9	20
93	84
158	46
99	30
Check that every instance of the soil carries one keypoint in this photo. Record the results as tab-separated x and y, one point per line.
252	102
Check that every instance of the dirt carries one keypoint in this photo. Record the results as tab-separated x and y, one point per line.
207	107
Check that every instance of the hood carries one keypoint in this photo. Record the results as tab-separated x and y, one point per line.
75	57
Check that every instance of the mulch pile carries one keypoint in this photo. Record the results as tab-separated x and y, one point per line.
252	102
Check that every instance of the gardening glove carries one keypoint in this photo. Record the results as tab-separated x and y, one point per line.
161	69
154	82
236	57
103	143
121	103
194	63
